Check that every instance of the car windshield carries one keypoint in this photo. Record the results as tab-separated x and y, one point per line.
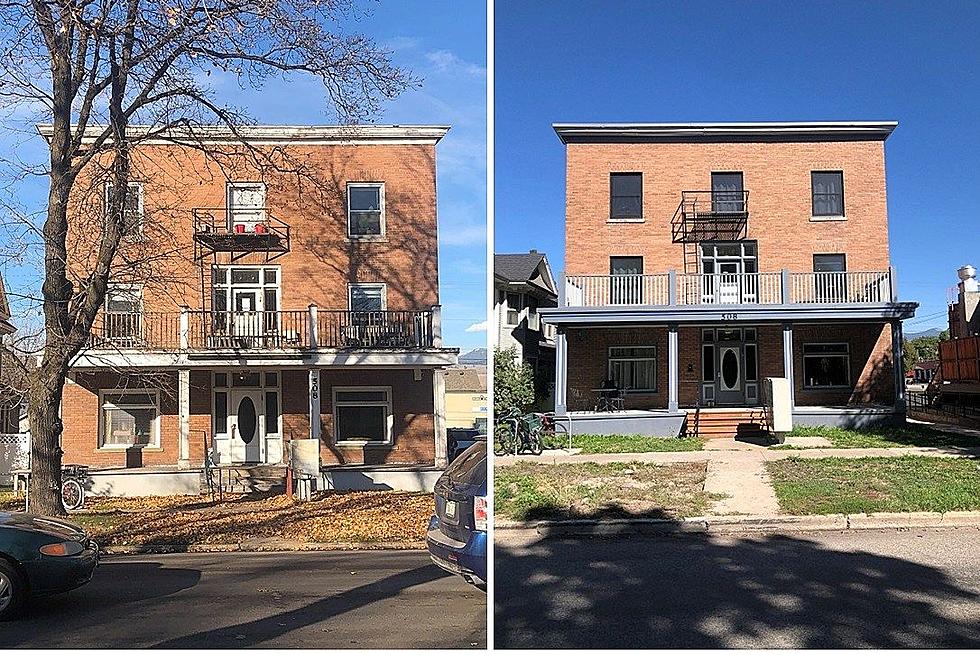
471	466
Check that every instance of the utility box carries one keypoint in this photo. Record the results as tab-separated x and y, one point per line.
780	406
304	457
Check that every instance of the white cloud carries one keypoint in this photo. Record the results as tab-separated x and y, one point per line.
445	61
478	327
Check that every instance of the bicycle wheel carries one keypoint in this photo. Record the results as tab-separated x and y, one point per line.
534	443
501	440
72	494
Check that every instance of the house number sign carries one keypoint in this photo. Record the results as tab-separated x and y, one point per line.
729	317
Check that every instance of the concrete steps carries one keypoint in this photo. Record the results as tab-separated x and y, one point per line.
728	424
248	478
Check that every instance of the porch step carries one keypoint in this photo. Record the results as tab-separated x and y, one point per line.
728	424
258	478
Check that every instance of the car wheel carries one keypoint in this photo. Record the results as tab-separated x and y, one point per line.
13	591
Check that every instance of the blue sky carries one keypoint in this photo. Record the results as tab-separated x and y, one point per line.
443	42
918	63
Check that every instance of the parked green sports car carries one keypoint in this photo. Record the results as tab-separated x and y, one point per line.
41	556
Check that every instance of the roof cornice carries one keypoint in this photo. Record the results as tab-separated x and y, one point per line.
707	132
277	134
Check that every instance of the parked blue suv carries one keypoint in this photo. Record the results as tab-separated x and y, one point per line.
457	536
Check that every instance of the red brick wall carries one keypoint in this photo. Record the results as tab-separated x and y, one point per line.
412	407
322	260
777	177
870	350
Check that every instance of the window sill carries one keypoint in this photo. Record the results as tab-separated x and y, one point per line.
123	449
363	444
625	220
827	219
380	238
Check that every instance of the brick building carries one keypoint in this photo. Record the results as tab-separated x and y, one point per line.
284	290
702	259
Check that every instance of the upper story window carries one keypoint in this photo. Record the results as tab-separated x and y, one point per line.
365	209
628	289
834	263
828	193
246	205
132	215
515	305
368	297
727	195
625	196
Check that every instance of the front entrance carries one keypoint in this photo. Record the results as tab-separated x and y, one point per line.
245	426
729	358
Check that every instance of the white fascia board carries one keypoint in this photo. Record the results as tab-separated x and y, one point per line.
279	134
773	130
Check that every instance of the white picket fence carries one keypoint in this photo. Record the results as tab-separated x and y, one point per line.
14	454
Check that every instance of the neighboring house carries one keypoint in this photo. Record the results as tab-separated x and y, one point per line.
270	306
14	438
466	397
702	259
523	285
475	357
923	371
956	385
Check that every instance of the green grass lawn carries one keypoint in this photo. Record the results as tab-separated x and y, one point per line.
835	485
529	491
908	436
8	502
592	444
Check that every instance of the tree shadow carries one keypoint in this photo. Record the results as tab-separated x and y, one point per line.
115	585
252	633
707	591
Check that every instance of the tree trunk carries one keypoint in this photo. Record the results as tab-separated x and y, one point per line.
43	412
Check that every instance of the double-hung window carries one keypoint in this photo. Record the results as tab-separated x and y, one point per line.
365	210
130	418
826	365
625	280
132	214
830	280
727	196
124	314
626	196
362	415
246	206
368	297
515	305
828	193
634	367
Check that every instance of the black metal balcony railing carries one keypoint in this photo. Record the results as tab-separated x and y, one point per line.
275	330
224	229
711	216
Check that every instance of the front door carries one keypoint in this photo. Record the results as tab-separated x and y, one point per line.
729	374
245	425
245	320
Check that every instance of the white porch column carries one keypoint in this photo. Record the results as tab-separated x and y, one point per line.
185	327
673	369
788	362
314	335
561	374
184	415
315	404
439	417
898	366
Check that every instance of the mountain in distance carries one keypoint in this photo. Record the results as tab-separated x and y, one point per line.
932	332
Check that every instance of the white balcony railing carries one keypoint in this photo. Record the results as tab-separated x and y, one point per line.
770	288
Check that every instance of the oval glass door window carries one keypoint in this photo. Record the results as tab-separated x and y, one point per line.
729	369
246	419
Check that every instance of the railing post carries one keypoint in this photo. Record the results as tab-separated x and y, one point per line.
437	326
784	284
314	326
892	284
561	289
671	287
185	327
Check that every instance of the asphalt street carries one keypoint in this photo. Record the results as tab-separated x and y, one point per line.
888	589
349	599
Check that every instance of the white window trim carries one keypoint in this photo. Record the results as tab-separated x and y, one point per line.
384	227
231	185
508	308
228	287
262	388
355	285
389	422
139	207
123	286
155	442
655	359
846	355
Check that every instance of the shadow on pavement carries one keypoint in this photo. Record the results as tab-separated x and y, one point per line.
715	592
128	582
251	633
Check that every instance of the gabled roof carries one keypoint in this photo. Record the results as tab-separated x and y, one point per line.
525	268
6	327
466	379
713	132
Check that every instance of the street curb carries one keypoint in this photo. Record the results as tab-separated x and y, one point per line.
261	547
746	524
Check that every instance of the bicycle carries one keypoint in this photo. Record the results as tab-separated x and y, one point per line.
72	486
530	433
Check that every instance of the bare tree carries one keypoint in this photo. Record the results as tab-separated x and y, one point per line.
111	74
